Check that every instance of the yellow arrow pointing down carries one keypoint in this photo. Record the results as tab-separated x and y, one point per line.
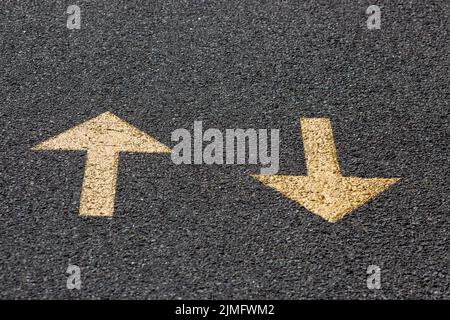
324	191
103	138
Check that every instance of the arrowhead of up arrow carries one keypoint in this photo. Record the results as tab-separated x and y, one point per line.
104	131
331	197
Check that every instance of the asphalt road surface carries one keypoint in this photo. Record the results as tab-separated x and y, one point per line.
212	231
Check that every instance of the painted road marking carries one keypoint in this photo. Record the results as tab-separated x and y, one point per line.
324	191
103	138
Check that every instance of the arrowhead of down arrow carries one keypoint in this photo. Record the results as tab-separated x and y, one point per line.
331	198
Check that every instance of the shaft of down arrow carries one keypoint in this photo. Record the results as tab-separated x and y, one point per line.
319	147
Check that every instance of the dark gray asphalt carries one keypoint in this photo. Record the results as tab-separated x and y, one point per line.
213	231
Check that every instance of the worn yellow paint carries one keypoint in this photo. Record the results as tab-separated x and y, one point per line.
324	191
103	138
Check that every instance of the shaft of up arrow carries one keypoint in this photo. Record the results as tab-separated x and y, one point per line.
99	182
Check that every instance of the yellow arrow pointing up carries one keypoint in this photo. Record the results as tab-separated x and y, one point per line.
103	138
324	190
